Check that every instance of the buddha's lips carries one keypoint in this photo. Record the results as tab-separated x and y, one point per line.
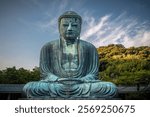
70	35
70	32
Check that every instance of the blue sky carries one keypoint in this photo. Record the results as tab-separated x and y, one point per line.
26	25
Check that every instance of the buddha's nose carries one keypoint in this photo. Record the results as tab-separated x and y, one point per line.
69	27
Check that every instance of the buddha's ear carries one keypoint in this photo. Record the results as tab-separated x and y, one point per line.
59	27
79	33
59	21
78	37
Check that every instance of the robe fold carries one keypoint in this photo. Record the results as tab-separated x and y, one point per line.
81	82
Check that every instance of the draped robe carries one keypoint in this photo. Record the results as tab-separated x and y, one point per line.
82	82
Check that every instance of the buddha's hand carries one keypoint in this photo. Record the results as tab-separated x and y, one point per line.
69	80
66	79
83	80
62	79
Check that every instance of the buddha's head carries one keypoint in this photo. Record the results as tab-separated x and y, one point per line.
70	25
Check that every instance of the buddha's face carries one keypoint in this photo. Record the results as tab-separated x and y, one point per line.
70	28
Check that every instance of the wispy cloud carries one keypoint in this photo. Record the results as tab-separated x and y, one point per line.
49	25
104	30
120	30
96	26
49	21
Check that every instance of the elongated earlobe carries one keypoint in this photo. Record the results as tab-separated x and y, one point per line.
78	37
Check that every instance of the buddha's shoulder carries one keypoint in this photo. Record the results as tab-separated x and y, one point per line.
87	44
53	43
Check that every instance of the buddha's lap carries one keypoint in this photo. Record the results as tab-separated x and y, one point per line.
71	85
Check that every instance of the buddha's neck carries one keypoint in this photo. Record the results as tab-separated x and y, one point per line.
69	47
69	42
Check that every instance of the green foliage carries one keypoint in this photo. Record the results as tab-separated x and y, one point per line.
118	51
125	66
127	72
18	76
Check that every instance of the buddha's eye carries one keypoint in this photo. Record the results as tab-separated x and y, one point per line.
74	25
65	25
